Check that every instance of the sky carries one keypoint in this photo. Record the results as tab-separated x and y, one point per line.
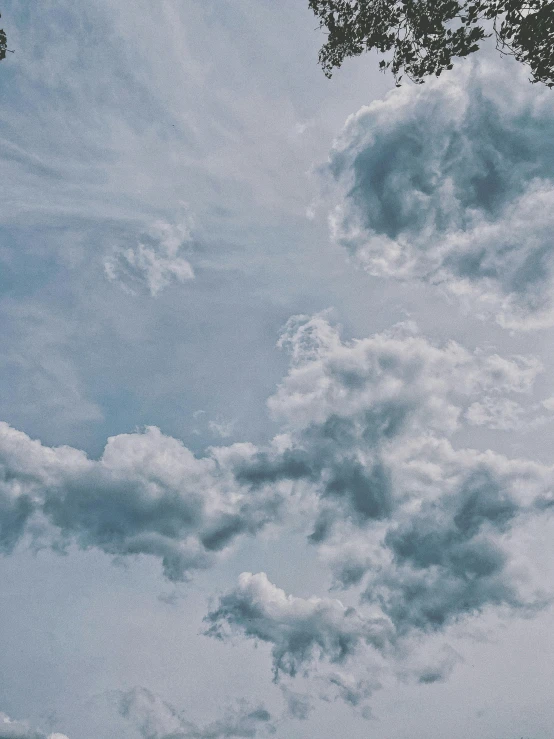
276	383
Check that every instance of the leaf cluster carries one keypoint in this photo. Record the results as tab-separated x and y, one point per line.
423	37
3	44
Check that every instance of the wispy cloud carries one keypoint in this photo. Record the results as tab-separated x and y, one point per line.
12	729
156	719
155	261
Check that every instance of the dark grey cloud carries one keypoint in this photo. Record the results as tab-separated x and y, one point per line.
363	490
156	719
454	546
369	490
428	533
147	494
452	553
264	468
452	183
452	557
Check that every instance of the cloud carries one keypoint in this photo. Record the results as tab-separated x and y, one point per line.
344	650
432	534
505	414
431	665
363	466
156	719
352	690
426	534
455	544
155	261
451	183
393	382
300	630
133	135
299	705
348	409
147	494
453	554
11	729
360	425
223	429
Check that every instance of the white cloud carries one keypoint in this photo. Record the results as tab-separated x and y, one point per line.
155	261
428	385
451	183
548	403
223	429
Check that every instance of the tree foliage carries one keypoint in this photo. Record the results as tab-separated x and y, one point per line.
3	44
423	37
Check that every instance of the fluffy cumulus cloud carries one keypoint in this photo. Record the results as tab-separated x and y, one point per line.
11	729
346	651
430	525
155	261
452	183
147	494
316	638
299	629
431	533
156	719
366	462
450	550
349	410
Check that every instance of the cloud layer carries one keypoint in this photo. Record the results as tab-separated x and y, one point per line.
451	183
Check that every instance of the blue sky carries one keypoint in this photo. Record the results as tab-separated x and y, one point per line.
276	386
